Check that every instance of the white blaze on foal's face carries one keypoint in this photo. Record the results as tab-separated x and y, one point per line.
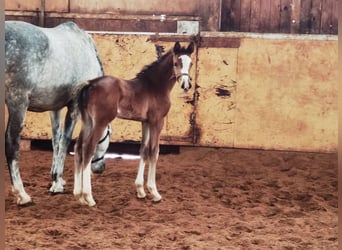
184	77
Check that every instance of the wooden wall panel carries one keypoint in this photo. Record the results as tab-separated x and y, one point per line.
280	16
262	16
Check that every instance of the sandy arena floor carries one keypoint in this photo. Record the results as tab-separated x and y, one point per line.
212	199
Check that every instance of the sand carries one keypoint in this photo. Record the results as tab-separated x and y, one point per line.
212	199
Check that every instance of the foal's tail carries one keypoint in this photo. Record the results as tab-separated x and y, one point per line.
80	99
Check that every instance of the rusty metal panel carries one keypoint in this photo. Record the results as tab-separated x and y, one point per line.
217	93
287	95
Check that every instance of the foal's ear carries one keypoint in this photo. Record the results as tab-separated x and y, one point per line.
190	48
176	48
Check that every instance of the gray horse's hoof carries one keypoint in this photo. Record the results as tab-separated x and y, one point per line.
98	169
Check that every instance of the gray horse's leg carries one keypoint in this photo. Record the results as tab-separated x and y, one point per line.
16	117
63	144
55	117
98	164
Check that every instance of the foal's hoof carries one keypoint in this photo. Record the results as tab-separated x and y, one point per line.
24	200
87	201
157	200
27	204
141	198
57	187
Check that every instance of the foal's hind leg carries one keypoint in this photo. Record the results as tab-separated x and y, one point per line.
16	117
78	166
86	145
62	142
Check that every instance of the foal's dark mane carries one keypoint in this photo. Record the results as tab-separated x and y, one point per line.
144	74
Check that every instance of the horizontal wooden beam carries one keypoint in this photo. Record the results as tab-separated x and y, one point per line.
161	18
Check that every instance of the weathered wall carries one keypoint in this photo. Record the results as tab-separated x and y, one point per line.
271	93
254	91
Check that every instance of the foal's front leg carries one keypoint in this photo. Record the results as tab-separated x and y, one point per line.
139	181
149	152
155	131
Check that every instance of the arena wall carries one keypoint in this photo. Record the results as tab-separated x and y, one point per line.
268	91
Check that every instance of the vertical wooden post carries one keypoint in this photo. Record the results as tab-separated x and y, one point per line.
210	12
245	24
42	14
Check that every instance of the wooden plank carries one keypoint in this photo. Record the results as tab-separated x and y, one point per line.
255	16
57	5
245	22
29	19
310	17
315	16
327	17
274	16
210	14
94	24
305	21
230	15
157	7
295	16
220	42
22	5
265	16
334	22
285	16
34	5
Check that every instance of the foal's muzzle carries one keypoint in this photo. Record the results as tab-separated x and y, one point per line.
185	81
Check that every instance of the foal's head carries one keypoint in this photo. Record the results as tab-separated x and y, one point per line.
182	64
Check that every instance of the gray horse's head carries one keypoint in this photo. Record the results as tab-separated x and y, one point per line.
98	164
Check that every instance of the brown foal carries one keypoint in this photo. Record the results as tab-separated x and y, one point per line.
145	98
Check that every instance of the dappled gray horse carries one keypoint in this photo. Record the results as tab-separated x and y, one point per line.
43	69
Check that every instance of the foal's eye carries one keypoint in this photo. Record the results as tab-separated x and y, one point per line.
176	64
